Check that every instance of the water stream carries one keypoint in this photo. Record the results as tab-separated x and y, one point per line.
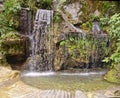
41	56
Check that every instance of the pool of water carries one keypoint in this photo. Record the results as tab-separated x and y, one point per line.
87	81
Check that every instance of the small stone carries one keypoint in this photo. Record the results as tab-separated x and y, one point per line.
80	94
97	13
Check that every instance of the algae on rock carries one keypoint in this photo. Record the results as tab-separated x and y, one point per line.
114	74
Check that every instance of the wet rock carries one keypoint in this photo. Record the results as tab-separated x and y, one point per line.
59	59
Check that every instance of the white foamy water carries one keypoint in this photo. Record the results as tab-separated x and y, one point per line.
34	74
84	74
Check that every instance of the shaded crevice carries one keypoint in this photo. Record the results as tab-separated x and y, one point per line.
16	61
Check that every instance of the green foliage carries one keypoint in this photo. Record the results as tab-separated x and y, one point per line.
9	18
86	26
57	17
80	48
12	6
108	8
10	35
104	23
114	31
62	43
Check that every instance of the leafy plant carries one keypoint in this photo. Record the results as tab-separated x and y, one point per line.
12	8
57	17
114	31
83	48
9	18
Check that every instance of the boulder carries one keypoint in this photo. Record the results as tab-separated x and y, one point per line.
114	74
74	14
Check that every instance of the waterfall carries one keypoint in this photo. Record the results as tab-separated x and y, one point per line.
41	45
84	50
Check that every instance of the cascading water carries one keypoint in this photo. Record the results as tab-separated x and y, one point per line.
41	57
86	51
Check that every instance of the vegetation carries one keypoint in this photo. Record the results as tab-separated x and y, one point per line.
9	18
77	47
9	21
83	48
114	32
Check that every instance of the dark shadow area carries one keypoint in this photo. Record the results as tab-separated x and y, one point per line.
16	61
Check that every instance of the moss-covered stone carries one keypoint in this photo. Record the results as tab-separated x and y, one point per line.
114	74
12	43
13	48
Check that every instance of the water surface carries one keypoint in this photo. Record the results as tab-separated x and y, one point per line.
88	81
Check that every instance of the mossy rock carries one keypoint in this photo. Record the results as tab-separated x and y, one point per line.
113	75
2	58
13	43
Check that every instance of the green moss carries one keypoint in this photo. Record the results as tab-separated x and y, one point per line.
57	18
2	59
86	26
12	44
113	75
10	35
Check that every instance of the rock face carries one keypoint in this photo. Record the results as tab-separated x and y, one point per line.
72	20
75	13
59	59
68	22
25	21
13	48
